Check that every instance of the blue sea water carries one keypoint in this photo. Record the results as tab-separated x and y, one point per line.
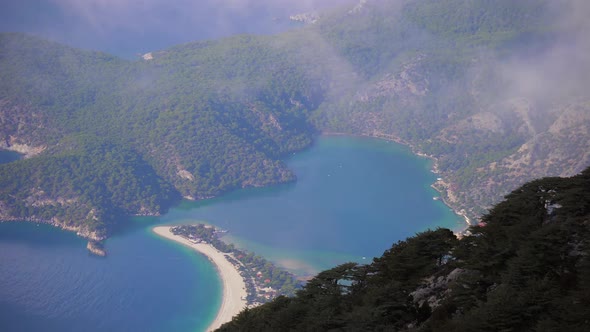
49	282
8	156
354	197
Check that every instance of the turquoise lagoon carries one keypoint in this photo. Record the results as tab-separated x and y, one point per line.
353	199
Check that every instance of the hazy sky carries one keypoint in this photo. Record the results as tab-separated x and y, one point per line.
128	27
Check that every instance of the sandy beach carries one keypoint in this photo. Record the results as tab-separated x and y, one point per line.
234	288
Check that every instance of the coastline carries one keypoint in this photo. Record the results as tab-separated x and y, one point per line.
441	187
234	287
444	191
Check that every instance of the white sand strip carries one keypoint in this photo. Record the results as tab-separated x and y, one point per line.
234	287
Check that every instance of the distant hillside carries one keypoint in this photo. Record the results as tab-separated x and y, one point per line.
526	269
496	91
194	122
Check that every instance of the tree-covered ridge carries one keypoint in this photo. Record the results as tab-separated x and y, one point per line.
526	269
184	129
88	185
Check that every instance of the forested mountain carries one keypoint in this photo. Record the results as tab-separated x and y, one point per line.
496	91
526	269
85	186
110	138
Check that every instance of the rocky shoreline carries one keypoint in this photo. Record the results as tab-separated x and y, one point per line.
96	248
25	150
96	242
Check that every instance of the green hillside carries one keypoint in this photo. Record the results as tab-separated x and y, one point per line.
88	183
153	131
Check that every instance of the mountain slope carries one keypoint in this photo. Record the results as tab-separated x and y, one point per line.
174	116
86	187
475	84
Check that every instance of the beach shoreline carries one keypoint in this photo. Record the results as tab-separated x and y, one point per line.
234	287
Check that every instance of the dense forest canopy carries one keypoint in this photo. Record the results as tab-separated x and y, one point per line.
459	80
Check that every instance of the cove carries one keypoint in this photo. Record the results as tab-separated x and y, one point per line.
354	198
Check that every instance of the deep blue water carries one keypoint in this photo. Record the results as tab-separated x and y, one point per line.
49	282
8	156
354	197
